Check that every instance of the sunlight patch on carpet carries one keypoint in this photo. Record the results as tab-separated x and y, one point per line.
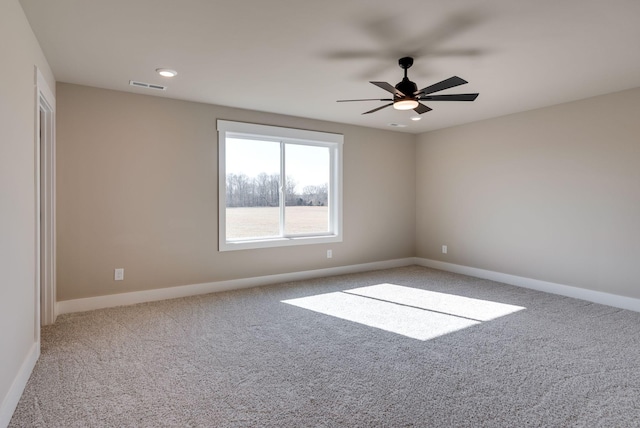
411	312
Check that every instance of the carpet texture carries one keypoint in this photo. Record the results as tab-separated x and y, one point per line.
247	359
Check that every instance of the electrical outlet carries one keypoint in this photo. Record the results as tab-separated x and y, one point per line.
118	274
329	254
444	249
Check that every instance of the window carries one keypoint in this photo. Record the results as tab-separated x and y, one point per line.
278	186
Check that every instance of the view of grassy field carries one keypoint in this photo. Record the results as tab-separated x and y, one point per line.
249	222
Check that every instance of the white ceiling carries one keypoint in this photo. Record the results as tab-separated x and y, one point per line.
298	57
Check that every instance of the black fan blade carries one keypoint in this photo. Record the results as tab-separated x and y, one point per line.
441	86
389	88
422	108
379	108
367	99
451	97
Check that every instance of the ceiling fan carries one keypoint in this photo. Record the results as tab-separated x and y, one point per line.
406	95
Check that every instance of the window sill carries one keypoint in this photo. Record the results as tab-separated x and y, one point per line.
278	242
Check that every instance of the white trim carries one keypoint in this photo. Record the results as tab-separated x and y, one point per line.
99	302
278	242
43	87
282	135
45	204
600	297
278	132
91	303
38	260
12	398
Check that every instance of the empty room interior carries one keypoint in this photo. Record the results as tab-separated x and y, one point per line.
339	213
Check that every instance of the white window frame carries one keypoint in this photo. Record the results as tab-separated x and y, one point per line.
230	129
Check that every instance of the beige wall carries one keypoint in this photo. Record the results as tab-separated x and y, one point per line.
19	53
137	188
551	194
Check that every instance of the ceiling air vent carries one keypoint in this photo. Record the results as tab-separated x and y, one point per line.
147	85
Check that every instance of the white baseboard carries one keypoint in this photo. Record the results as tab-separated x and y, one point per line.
535	284
99	302
19	383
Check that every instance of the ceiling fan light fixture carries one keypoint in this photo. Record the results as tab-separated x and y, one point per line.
405	104
406	95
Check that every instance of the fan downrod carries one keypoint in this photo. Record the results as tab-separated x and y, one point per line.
407	87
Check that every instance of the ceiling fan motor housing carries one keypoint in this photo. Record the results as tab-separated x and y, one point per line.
407	87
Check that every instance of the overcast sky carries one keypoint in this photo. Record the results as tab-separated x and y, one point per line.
306	164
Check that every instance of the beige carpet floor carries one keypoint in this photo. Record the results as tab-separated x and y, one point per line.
406	347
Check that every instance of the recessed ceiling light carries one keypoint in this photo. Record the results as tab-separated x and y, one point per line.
166	72
416	118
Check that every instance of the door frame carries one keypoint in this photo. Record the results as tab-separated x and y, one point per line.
45	154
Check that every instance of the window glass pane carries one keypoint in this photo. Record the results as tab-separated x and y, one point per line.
264	203
307	189
252	188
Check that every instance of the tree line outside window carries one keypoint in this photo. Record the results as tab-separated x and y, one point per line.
263	190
